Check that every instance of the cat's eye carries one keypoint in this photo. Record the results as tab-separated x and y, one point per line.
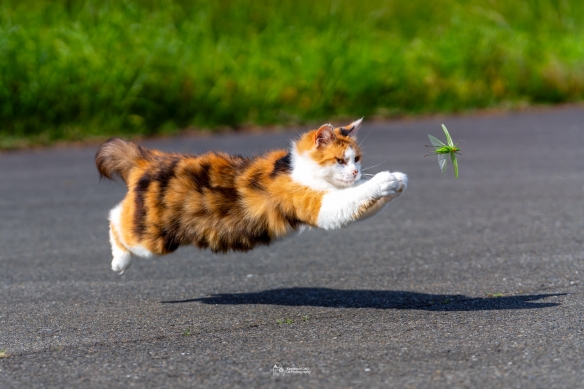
340	161
357	158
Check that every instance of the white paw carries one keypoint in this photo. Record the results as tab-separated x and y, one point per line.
121	261
401	181
389	184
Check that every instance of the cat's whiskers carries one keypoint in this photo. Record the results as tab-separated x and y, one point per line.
363	140
371	167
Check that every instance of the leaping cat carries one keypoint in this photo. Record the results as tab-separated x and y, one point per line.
225	202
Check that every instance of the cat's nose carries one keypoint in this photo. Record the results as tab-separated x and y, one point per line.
355	172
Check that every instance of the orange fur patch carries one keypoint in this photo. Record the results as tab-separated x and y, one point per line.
328	153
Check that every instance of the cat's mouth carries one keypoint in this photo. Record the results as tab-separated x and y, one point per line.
346	182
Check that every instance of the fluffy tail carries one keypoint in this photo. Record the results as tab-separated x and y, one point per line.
117	157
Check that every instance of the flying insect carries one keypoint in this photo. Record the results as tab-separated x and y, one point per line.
442	150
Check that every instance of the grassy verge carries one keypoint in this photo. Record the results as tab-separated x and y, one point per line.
73	69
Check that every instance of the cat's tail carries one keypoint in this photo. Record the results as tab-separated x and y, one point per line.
117	157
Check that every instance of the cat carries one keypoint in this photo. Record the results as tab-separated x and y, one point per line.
225	202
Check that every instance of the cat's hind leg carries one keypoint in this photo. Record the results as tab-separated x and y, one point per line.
122	257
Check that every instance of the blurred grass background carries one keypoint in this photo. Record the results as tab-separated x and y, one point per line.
74	69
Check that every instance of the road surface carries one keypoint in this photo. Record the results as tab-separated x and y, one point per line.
469	282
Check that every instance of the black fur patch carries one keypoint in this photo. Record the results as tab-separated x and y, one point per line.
246	240
140	212
291	218
346	132
256	181
170	237
202	242
294	221
282	165
230	195
201	177
230	198
263	238
163	177
171	243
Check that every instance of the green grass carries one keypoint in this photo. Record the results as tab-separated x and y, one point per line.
73	69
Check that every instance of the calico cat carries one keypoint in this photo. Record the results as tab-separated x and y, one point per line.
224	202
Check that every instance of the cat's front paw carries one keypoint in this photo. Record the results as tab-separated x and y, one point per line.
389	184
401	181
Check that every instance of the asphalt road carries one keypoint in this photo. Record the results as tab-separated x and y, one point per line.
469	282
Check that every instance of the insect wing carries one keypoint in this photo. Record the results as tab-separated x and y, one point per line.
435	141
442	162
455	164
448	138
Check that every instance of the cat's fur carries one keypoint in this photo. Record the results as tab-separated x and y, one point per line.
225	202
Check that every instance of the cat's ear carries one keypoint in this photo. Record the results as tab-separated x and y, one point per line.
351	129
324	135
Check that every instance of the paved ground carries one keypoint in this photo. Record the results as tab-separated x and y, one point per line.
408	299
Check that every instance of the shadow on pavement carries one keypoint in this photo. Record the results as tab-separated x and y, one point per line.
381	299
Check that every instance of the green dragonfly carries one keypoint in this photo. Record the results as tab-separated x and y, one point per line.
442	150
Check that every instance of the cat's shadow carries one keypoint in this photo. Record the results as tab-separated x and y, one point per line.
379	299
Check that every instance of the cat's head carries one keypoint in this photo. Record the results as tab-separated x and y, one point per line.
329	154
